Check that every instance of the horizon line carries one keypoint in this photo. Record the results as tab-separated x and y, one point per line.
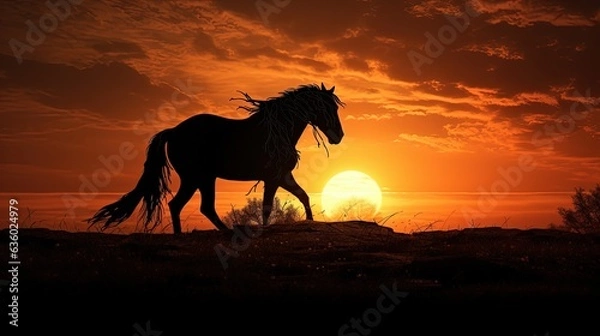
244	192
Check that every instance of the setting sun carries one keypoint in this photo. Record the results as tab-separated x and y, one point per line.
351	194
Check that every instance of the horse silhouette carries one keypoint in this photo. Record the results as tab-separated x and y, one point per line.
205	147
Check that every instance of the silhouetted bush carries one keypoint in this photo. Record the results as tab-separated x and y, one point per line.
354	208
251	213
585	215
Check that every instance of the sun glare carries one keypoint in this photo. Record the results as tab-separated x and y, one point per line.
351	194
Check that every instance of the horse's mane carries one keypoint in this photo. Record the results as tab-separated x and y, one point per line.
279	114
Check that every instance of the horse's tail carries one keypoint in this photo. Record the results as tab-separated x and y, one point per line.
151	188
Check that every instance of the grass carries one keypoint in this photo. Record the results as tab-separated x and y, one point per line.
411	225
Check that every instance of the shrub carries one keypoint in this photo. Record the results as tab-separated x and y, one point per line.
353	209
251	213
585	215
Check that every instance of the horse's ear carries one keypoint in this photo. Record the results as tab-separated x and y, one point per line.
323	87
331	90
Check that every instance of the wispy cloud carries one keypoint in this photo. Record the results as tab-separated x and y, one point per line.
439	144
496	50
528	13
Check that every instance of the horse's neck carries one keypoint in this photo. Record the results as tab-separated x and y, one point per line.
295	131
299	127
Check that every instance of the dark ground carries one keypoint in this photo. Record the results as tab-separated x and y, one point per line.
308	279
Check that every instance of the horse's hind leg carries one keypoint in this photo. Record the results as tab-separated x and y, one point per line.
268	196
207	203
184	194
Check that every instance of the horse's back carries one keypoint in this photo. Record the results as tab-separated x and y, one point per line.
205	120
211	144
206	125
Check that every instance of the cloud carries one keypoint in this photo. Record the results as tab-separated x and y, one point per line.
356	63
528	13
537	119
431	8
516	68
439	144
493	97
366	116
119	50
495	50
113	91
204	43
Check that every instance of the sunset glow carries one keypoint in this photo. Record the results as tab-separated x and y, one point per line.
302	167
441	97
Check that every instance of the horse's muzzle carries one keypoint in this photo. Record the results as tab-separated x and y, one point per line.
333	137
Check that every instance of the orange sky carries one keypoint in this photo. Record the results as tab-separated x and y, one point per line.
521	79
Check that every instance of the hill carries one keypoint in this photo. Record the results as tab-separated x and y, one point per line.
309	278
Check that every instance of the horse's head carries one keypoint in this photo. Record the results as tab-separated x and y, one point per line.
326	118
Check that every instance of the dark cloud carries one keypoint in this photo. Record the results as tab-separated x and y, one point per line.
119	49
500	55
356	63
270	52
204	43
305	21
112	91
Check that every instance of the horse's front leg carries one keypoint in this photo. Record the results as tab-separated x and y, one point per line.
290	185
268	196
